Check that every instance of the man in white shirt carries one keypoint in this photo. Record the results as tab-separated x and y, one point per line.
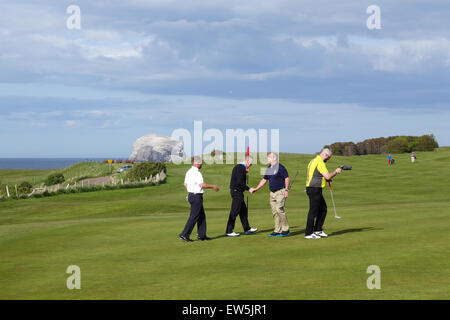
194	184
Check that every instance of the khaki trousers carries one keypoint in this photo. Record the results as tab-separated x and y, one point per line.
277	200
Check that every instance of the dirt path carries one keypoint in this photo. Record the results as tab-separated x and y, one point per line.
98	180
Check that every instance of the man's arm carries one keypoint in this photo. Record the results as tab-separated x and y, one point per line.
328	176
286	187
209	186
259	186
239	177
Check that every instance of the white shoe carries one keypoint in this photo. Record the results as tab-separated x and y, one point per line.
312	236
233	234
252	230
321	234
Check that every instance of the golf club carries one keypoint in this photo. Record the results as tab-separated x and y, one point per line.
344	167
332	200
292	182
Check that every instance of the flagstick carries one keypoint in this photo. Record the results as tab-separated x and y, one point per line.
247	191
246	176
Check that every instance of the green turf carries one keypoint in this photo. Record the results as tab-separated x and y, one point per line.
126	244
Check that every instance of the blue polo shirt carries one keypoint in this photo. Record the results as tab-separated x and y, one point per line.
276	176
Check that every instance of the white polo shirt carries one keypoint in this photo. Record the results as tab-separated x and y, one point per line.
193	179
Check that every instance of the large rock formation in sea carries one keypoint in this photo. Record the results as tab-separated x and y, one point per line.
154	147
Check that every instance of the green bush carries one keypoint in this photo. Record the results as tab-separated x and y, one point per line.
25	188
426	143
54	178
398	145
144	170
413	145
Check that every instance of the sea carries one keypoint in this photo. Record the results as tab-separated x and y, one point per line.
42	163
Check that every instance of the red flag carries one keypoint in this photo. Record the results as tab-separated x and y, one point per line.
248	153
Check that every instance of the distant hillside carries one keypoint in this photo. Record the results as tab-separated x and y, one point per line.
394	144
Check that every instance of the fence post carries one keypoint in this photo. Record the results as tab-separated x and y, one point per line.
17	193
7	190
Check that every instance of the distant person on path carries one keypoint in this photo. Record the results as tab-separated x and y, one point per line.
238	185
195	185
316	176
278	178
389	157
413	157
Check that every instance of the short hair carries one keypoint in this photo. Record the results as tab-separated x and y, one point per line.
196	160
326	151
273	154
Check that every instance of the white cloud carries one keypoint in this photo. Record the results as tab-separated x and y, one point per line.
408	55
71	123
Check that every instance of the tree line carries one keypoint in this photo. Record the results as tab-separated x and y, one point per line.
393	144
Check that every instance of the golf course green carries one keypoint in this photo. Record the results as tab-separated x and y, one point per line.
126	243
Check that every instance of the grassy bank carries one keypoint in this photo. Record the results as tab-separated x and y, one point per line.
74	172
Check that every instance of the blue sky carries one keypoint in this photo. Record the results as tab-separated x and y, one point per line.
311	69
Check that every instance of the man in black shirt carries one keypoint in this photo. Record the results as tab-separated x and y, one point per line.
238	185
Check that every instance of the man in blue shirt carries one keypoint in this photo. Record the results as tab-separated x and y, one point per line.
278	178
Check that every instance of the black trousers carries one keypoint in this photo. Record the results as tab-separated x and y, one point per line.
238	207
317	210
197	216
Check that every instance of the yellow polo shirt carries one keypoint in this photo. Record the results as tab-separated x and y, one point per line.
314	177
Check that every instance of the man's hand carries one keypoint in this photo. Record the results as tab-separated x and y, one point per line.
338	170
286	194
252	190
215	187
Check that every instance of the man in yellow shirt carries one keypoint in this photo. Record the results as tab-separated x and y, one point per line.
316	178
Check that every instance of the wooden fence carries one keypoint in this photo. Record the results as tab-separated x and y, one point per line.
114	181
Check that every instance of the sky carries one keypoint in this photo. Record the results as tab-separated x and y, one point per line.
311	69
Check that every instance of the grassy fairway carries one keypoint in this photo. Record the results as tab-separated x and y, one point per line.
126	241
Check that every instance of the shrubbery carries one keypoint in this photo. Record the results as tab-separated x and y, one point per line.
144	170
25	188
55	178
396	144
426	143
